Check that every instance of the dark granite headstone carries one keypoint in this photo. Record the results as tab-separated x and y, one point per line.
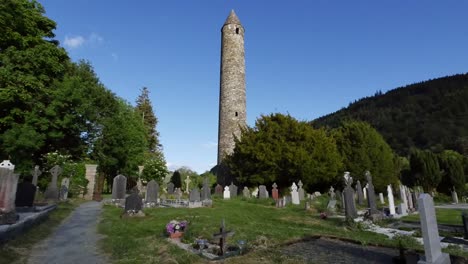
152	192
170	188
206	191
134	202
262	192
360	195
25	194
233	190
195	195
350	209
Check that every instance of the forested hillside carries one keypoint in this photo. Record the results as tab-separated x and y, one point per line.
428	115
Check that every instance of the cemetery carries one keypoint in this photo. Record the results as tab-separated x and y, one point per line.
84	176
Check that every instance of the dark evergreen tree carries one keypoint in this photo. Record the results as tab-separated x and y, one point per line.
144	107
425	169
451	164
176	179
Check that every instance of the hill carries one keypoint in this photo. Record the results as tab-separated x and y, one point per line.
429	115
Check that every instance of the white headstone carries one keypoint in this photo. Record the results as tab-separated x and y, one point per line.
294	194
430	232
391	201
7	165
403	199
364	191
382	201
227	193
454	196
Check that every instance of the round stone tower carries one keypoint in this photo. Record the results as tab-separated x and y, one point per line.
232	103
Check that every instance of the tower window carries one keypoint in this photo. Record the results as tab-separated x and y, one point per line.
237	114
237	32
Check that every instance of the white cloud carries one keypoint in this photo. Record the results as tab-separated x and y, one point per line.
74	42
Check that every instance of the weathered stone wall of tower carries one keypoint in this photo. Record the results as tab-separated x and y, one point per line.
232	101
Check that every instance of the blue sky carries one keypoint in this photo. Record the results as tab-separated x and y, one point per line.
306	58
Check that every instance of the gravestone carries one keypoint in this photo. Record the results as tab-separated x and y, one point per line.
382	200
391	201
331	206
331	193
409	199
360	195
294	194
402	210
227	193
404	200
195	195
64	188
430	232
134	204
187	184
35	173
262	192
52	193
371	201
300	190
233	190
25	194
348	194
255	193
178	193
246	192
219	190
119	187
222	236
414	196
170	188
8	185
454	196
152	192
274	192
364	192
206	191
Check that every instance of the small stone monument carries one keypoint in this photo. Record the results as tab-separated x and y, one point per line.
331	206
403	208
364	192
246	192
119	188
360	195
25	193
454	196
64	189
348	193
262	192
227	193
219	189
187	184
170	188
195	195
52	193
8	185
152	192
133	204
382	200
274	192
409	199
371	201
430	232
233	190
206	191
294	194
300	191
391	201
35	173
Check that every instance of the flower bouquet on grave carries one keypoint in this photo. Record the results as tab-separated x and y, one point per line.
323	215
175	229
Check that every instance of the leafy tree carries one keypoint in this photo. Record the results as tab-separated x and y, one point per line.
176	179
211	178
155	168
425	168
362	149
283	150
144	107
451	164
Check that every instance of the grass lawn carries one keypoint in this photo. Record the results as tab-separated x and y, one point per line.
17	250
444	216
264	227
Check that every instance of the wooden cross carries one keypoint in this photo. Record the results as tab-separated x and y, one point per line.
222	235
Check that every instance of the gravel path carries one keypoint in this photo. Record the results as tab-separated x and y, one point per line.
74	241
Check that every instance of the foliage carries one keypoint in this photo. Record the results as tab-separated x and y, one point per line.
144	107
428	115
155	168
425	169
211	179
364	149
176	179
451	164
282	149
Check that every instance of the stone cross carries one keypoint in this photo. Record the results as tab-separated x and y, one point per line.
274	192
8	187
246	192
52	192
222	235
331	192
371	201
430	231
119	187
227	193
35	173
152	192
294	194
359	192
348	194
391	201
187	184
300	190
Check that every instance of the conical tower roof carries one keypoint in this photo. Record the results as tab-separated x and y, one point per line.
232	19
